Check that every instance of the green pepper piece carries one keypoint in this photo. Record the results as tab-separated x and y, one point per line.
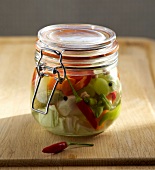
97	110
111	115
105	102
91	101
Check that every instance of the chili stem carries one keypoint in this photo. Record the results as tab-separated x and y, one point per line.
82	144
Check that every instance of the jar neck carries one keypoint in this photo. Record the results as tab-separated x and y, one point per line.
75	66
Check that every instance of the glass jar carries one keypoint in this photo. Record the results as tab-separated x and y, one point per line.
76	89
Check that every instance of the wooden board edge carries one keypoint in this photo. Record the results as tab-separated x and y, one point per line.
78	162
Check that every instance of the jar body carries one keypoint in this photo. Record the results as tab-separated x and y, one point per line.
90	111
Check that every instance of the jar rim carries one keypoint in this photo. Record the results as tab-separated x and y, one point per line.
76	36
78	55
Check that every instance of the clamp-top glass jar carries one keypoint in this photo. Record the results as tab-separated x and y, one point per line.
76	90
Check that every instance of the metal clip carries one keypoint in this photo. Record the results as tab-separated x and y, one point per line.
42	66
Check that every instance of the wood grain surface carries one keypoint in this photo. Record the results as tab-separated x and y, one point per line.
129	141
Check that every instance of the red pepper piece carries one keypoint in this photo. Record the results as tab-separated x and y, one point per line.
85	109
81	81
59	147
112	96
88	113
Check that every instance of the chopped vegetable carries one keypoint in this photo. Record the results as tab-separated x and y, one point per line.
88	113
98	111
101	124
91	101
82	82
104	101
50	119
111	115
81	105
112	96
66	107
101	86
85	109
78	83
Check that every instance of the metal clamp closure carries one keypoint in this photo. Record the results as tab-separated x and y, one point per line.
42	66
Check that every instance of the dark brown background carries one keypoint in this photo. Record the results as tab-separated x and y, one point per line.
125	17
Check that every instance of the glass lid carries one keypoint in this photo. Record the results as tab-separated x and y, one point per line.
76	36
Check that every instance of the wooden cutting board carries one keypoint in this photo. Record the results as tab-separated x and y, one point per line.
129	141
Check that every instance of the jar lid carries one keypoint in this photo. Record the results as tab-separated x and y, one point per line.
76	36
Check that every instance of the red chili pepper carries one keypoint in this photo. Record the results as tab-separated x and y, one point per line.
85	109
55	148
59	147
